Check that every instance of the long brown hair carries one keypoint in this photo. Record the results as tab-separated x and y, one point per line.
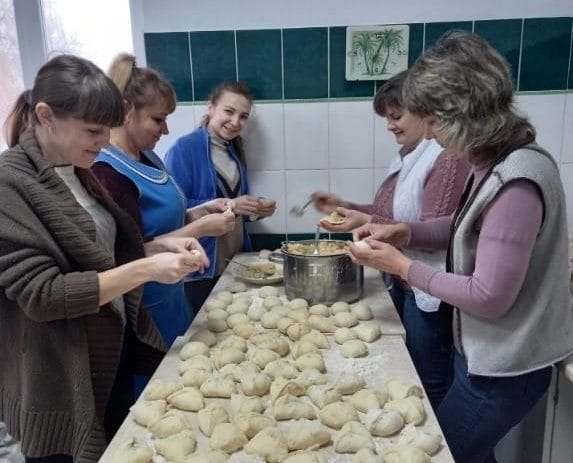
238	88
72	87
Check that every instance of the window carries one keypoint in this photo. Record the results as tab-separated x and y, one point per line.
11	82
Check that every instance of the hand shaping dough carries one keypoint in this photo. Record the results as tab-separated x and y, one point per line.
288	407
367	332
159	389
322	324
269	443
334	415
147	412
303	435
176	447
205	336
429	442
362	311
250	423
323	395
384	423
400	389
364	400
193	348
319	309
353	348
405	454
218	386
171	423
211	416
411	408
349	383
132	451
189	399
268	291
345	319
335	218
352	437
228	438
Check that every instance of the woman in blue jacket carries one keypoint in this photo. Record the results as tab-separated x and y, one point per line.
209	163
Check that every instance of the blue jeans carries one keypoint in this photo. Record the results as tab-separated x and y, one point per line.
478	411
429	343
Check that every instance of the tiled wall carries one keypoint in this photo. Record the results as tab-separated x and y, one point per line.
313	130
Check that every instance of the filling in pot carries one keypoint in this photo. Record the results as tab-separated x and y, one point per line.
325	248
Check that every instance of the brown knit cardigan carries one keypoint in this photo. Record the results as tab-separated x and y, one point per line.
60	350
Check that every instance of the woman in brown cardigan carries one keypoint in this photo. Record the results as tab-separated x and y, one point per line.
71	268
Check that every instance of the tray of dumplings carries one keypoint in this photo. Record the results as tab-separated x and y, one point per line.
265	379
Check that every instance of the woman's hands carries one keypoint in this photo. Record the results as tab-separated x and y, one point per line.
180	257
381	256
253	206
215	224
327	202
352	220
397	234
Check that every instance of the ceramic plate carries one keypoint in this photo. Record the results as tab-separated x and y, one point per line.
267	280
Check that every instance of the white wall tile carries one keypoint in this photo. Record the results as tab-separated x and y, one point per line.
566	171
200	110
180	123
567	145
546	114
385	146
379	176
355	185
351	134
269	185
264	137
306	135
300	184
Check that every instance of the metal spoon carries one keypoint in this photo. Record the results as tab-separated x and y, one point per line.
316	238
298	211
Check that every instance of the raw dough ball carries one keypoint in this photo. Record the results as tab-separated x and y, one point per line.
297	331
204	336
367	332
350	383
244	330
224	296
176	447
235	319
310	361
363	245
250	423
362	311
256	312
322	324
341	335
242	404
366	456
192	349
364	400
281	367
233	342
237	307
217	325
306	457
218	386
159	389
210	457
317	338
381	395
189	399
429	442
334	415
304	435
352	437
400	389
272	341
237	287
194	377
228	438
269	443
268	291
264	253
237	371
261	357
284	323
282	310
411	408
323	395
211	416
147	412
269	320
300	348
255	384
298	303
212	304
272	301
243	299
217	314
345	319
132	451
312	377
281	386
299	315
224	357
338	307
288	407
319	309
353	348
408	454
171	423
199	362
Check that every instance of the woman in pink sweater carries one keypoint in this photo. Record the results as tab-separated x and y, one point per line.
423	182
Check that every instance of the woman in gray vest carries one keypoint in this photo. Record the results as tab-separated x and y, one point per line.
506	277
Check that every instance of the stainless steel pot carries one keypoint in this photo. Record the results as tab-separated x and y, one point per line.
320	278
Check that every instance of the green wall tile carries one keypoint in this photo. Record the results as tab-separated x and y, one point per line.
505	36
305	63
416	46
270	241
435	30
259	62
339	86
545	55
169	54
213	59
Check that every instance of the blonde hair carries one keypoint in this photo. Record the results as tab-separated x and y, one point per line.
467	86
141	87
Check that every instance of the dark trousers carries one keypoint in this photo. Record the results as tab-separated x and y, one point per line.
198	290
